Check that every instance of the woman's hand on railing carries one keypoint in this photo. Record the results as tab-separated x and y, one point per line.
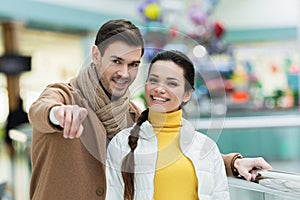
249	167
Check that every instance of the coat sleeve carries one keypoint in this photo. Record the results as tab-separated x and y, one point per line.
221	191
53	95
227	159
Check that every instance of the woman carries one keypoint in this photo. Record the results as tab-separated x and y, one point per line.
165	157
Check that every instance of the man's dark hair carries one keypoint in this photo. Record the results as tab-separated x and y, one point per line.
118	30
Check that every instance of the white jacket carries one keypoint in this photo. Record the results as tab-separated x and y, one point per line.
200	149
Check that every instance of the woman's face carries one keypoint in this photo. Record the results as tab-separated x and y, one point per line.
165	86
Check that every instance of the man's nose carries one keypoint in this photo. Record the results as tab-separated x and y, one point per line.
123	71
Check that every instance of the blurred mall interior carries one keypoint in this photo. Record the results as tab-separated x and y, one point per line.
246	53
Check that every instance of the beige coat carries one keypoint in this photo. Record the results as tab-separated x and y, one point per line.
64	169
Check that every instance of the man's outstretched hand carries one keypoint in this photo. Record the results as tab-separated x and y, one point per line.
70	118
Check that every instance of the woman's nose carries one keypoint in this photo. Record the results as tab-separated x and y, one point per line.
160	89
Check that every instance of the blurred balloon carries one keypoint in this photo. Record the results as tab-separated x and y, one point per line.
150	9
214	2
173	31
150	51
197	15
218	29
274	68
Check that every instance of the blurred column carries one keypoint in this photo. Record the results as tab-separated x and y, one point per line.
11	31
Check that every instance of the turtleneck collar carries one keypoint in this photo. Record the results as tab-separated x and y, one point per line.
165	121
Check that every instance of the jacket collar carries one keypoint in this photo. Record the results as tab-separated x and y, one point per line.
188	136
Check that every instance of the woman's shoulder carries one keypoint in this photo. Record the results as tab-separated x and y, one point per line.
198	141
188	127
118	144
121	135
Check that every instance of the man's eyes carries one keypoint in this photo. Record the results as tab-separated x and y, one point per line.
134	64
116	61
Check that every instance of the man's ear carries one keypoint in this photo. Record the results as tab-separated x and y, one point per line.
96	55
187	96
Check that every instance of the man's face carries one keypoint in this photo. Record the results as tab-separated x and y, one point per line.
118	67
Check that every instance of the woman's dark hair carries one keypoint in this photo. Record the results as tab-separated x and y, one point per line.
118	30
128	162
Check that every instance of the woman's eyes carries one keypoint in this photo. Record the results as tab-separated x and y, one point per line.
170	83
153	80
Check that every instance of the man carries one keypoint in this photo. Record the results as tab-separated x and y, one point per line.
72	122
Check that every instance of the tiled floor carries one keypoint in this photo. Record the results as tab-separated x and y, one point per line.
16	171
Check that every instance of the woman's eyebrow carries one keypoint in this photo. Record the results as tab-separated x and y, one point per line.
168	78
172	78
153	75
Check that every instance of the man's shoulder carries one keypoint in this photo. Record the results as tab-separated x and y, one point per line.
59	88
60	91
60	85
134	111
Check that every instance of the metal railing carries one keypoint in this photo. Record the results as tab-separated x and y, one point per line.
245	190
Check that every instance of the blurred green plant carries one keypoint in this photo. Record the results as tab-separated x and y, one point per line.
2	133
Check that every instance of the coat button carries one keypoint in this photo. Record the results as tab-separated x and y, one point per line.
100	191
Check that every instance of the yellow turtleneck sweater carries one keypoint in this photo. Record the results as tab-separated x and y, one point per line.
175	176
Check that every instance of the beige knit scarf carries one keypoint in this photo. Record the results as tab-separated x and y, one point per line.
112	114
